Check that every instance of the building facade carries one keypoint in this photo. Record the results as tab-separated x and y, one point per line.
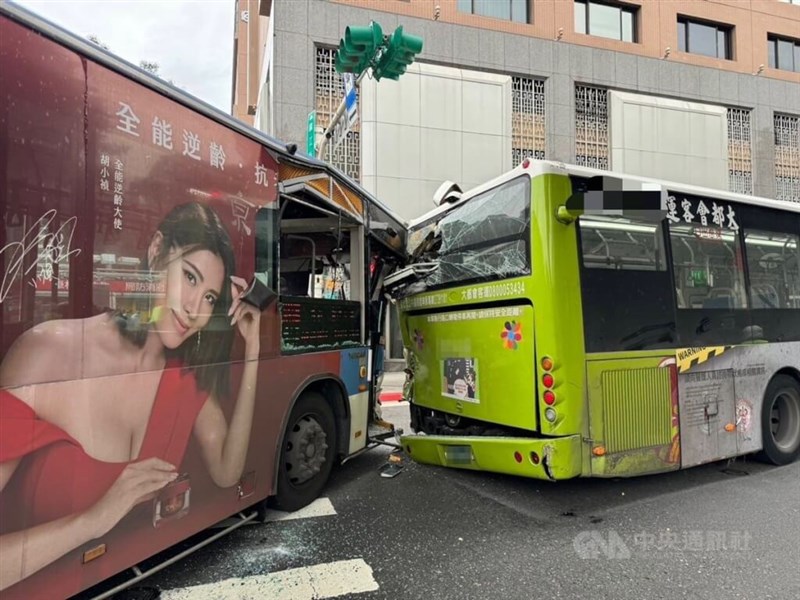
700	91
249	48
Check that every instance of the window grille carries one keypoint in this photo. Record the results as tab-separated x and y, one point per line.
787	157
328	93
527	119
591	127
740	151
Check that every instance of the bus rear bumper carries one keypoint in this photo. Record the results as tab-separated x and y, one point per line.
550	459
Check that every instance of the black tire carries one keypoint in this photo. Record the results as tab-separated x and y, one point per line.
303	473
780	421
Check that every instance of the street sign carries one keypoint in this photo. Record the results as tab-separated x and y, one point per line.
311	133
350	97
351	108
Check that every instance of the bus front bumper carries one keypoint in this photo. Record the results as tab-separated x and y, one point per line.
551	458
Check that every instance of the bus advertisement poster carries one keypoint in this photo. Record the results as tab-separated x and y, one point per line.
460	379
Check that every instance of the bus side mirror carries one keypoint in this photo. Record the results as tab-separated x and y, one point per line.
565	215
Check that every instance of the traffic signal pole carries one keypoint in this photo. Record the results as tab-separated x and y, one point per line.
366	48
323	145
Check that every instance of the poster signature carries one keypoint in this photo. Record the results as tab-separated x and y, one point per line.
46	246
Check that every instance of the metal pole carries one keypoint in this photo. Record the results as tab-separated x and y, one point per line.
336	116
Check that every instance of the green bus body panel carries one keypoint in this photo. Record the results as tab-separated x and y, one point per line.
628	408
504	386
633	415
559	331
559	458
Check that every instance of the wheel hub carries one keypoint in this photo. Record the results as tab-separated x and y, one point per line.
305	450
785	421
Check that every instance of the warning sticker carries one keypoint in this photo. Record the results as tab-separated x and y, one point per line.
689	357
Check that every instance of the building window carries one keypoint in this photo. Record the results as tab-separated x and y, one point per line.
591	127
510	10
709	39
784	53
740	151
604	19
787	157
527	119
328	93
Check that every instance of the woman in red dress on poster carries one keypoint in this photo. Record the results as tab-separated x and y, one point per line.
96	413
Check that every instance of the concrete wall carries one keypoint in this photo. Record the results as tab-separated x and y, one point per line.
299	24
435	123
669	139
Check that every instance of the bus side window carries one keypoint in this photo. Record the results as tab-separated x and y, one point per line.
708	267
621	243
774	268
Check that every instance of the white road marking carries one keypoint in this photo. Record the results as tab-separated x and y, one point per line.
327	580
321	507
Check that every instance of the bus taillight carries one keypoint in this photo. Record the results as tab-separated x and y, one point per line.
550	414
548	380
547	363
549	397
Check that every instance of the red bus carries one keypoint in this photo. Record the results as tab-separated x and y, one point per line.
191	316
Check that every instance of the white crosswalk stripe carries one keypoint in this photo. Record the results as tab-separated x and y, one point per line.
321	507
316	582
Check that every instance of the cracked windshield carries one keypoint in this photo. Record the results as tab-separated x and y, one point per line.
308	299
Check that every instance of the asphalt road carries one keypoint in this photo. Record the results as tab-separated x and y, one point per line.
727	530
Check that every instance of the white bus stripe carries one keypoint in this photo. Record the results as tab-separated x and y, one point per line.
327	580
321	507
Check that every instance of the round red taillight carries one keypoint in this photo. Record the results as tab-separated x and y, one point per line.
547	363
534	458
549	397
548	380
526	163
518	457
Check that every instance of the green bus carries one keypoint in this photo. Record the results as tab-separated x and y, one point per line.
552	342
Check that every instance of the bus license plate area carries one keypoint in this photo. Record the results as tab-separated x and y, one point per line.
459	455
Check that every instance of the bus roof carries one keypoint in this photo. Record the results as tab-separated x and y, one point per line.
538	167
114	62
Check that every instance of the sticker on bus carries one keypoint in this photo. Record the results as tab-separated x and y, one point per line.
687	357
460	379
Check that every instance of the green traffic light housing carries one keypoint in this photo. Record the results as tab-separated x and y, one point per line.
358	47
399	54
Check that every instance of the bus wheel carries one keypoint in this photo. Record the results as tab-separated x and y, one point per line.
780	420
307	455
